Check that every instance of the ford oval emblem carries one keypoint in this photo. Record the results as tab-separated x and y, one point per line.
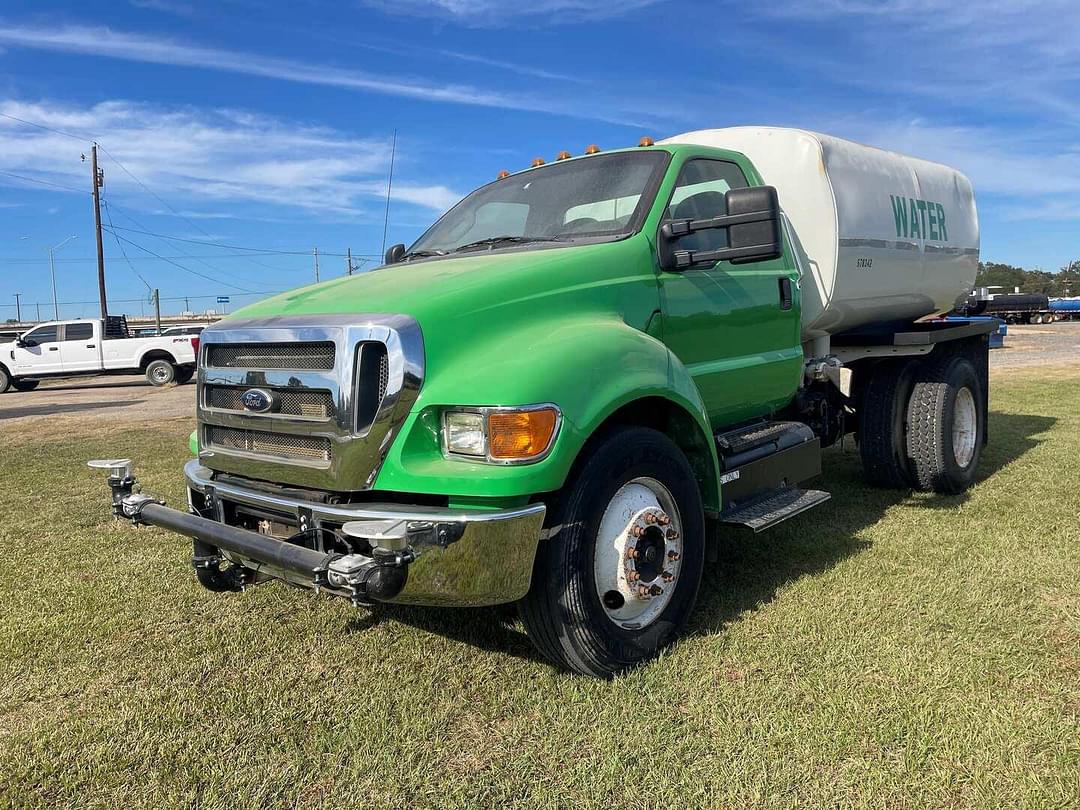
257	400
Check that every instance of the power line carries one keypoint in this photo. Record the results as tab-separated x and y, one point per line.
267	251
123	252
186	269
43	182
47	129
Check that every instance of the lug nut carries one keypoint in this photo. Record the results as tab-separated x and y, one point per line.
663	519
632	576
667	576
650	518
672	534
632	553
649	591
636	531
673	556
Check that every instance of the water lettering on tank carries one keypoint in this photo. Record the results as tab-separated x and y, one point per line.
909	213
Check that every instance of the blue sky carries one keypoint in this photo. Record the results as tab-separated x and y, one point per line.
268	126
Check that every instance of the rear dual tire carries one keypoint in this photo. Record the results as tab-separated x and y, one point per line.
160	373
574	612
922	424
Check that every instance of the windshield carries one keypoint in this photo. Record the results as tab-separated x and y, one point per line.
593	198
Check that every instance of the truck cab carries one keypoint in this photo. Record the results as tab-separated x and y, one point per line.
565	387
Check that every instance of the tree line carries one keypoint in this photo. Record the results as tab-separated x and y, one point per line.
1062	284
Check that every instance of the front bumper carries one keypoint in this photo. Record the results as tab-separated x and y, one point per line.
453	556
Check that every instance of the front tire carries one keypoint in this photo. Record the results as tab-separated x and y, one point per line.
5	380
25	385
160	373
946	426
617	580
184	374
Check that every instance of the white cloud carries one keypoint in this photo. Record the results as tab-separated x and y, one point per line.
501	12
106	42
210	157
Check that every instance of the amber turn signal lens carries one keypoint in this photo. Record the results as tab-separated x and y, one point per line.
520	434
592	149
503	174
645	141
563	155
537	162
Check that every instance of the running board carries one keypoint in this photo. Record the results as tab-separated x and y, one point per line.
765	512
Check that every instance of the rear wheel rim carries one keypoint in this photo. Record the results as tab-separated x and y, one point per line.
965	427
160	374
638	553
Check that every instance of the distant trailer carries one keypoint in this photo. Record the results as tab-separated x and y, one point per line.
1065	309
1011	308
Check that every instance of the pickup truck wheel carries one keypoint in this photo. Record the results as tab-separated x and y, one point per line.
160	372
617	580
25	385
945	426
5	380
882	425
184	374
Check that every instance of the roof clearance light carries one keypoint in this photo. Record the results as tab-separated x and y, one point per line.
537	161
592	149
502	174
645	141
563	155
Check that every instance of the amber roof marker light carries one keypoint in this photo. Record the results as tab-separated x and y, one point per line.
502	175
537	161
563	155
592	149
646	140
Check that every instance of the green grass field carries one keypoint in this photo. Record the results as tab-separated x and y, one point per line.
884	650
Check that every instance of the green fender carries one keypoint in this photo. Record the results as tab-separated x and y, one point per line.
589	366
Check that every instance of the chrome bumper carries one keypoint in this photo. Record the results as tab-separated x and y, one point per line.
462	557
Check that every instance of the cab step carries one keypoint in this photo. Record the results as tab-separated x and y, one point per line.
765	512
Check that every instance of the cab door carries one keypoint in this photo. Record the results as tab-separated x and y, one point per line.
39	354
734	326
80	349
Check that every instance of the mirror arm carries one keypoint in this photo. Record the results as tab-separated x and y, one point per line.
688	258
682	227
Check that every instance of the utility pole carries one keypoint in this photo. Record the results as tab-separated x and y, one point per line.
157	309
97	181
39	312
18	309
315	253
187	304
348	262
389	185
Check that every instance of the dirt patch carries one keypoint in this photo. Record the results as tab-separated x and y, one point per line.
1055	344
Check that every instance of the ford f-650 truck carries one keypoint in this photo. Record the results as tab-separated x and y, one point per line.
582	375
95	346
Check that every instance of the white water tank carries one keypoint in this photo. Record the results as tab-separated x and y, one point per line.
879	236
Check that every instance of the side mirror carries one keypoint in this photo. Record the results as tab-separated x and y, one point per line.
394	254
752	223
20	343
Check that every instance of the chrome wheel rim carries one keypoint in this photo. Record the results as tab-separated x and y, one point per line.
965	423
638	553
160	374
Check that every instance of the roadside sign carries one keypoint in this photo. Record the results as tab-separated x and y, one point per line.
223	299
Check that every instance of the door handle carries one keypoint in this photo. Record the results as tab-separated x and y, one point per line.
54	348
91	345
786	299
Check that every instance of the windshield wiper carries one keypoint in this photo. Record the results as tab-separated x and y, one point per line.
492	241
423	254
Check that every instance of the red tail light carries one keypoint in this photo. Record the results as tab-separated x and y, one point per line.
195	348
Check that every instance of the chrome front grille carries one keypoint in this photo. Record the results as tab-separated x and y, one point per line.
269	443
316	356
308	403
340	387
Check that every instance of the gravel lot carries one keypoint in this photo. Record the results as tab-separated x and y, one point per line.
127	399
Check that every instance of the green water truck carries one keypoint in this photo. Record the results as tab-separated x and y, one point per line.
582	377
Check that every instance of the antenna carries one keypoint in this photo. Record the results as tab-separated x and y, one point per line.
389	185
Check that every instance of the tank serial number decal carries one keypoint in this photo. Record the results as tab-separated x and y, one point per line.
864	261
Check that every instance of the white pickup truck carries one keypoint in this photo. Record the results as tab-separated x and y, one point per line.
95	346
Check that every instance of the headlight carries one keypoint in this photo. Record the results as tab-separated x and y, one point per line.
501	435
